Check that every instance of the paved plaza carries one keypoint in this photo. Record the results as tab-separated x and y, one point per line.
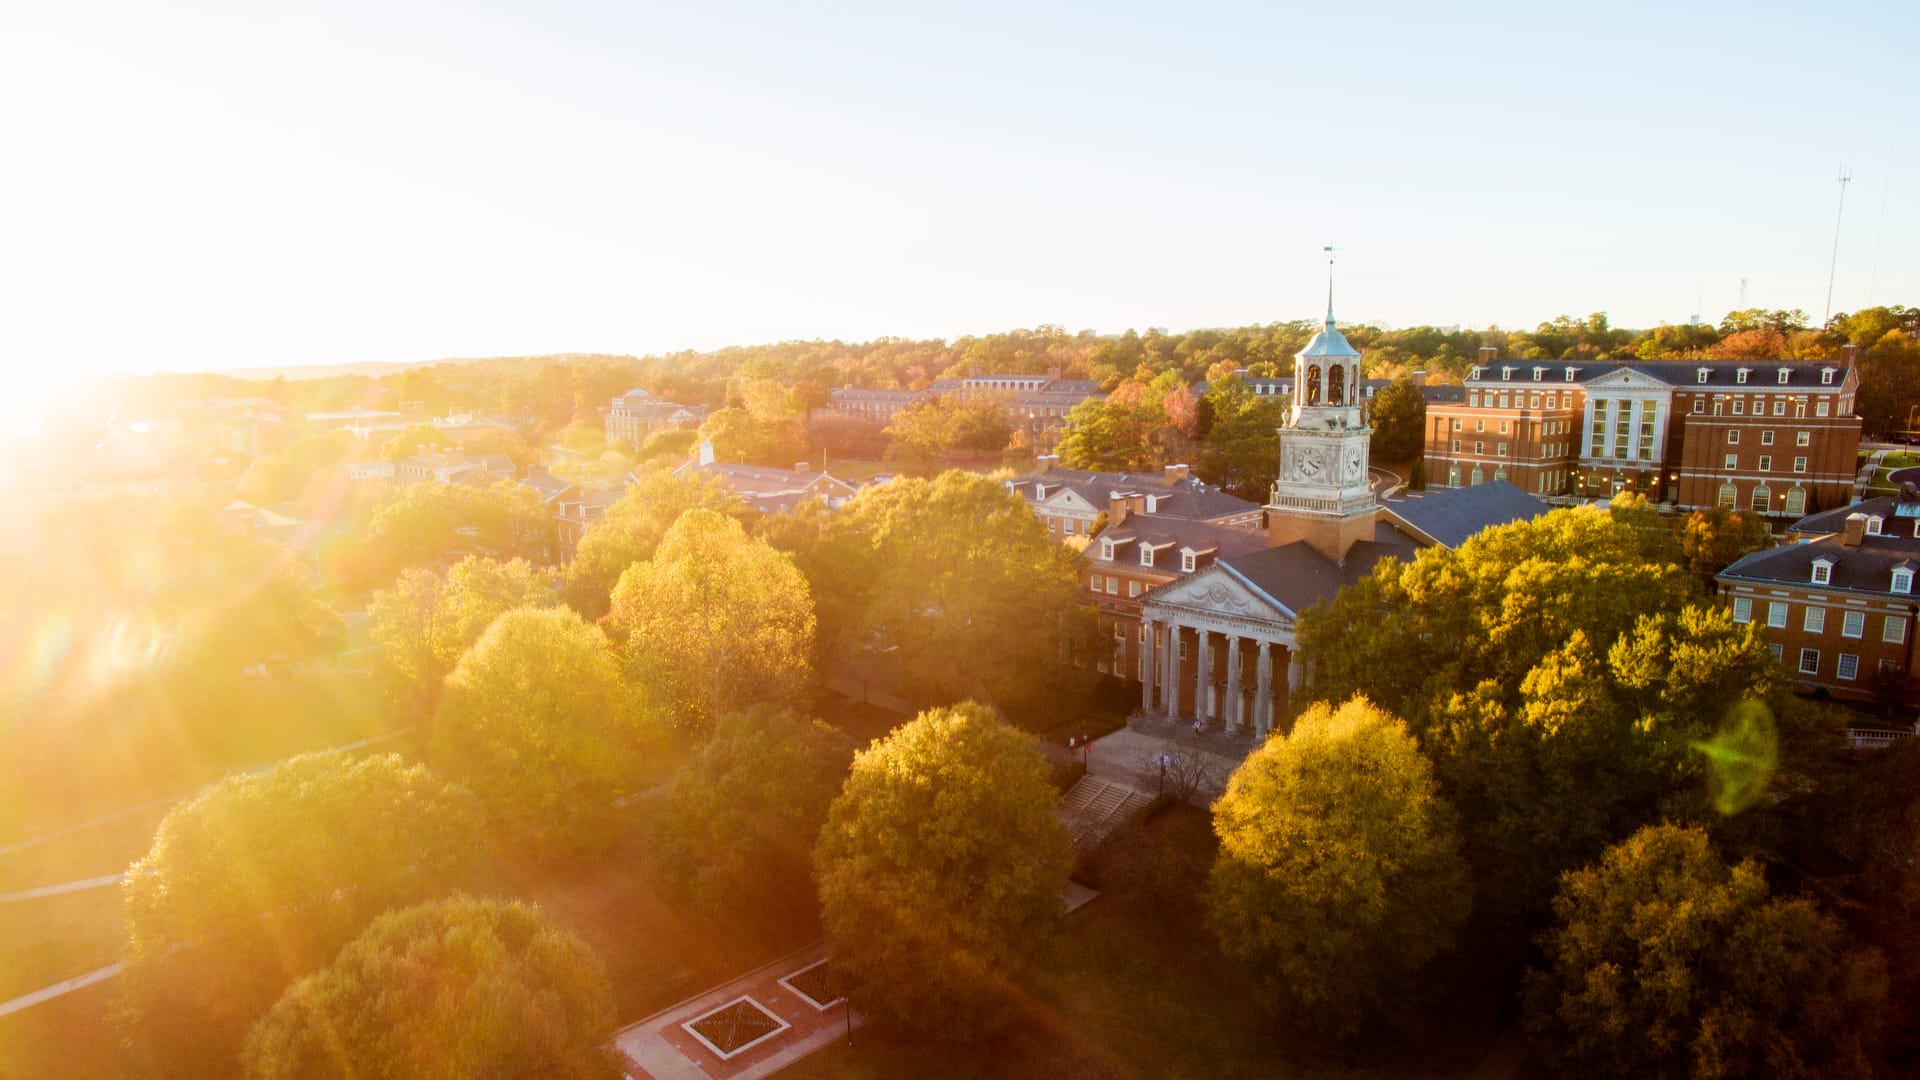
782	1024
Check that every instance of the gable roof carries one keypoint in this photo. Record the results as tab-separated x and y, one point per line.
1888	507
1179	498
1297	576
1721	374
1160	530
1449	516
1867	568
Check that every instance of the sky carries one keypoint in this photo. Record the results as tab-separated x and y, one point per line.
205	186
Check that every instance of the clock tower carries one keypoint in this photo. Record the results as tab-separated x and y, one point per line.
1322	494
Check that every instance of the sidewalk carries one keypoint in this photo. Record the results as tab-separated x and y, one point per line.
664	1046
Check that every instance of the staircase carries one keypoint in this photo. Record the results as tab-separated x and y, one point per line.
1096	807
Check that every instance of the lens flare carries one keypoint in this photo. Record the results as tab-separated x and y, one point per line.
1741	757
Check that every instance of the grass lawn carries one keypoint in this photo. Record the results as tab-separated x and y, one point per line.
58	937
1136	988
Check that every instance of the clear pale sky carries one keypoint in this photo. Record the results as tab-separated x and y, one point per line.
207	186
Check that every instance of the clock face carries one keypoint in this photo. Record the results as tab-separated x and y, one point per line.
1356	464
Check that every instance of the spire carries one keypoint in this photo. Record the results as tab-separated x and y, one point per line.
1329	250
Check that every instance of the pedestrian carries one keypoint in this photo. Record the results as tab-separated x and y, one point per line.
1197	725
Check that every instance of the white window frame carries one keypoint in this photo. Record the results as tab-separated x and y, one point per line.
1776	615
1733	461
1894	630
1815	621
1743	609
1822	572
1809	661
1766	438
1187	560
1800	464
1847	667
1853	624
1902	581
1803	438
1733	436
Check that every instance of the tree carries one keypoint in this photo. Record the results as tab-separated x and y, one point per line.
486	440
716	619
1242	447
423	623
1666	962
536	720
1339	875
632	529
922	434
263	876
955	582
425	522
1712	540
743	815
452	989
1399	417
940	871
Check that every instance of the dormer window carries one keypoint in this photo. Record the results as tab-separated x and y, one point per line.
1146	554
1186	561
1570	372
1740	376
1476	375
1039	493
1153	504
1537	372
1903	581
1106	550
1822	572
1506	374
1873	524
1701	375
1826	376
1785	373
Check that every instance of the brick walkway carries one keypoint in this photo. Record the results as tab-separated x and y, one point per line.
662	1048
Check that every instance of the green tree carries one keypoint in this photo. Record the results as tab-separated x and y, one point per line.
952	579
261	877
922	434
940	871
1339	875
716	619
632	529
535	719
744	814
426	522
423	623
1399	418
1665	962
1712	540
1242	447
442	991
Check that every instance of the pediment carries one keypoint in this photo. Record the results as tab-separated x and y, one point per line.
1215	589
1625	377
1066	499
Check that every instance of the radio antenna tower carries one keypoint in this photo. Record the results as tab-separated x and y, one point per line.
1743	295
1834	264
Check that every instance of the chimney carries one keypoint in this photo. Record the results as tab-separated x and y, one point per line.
706	451
1053	374
1850	354
1045	462
1176	473
1855	530
1121	507
1488	354
1417	378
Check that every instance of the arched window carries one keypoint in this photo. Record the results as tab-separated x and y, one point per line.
1729	497
1453	476
1762	499
1313	384
1478	477
1336	385
1797	500
1500	472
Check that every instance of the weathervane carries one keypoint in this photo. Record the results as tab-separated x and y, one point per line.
1329	250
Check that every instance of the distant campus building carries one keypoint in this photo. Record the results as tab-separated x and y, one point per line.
637	414
1774	437
1036	403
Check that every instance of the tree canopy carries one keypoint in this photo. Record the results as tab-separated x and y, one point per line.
536	720
1339	875
716	619
426	522
1399	418
262	876
1665	962
632	528
941	869
443	991
423	622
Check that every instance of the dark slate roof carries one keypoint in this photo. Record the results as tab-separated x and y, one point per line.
1451	515
1082	387
863	393
1179	498
1299	576
1721	374
1443	394
1158	529
1865	569
1888	507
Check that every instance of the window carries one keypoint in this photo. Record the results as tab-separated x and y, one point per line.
1699	405
1777	615
1119	632
1822	572
1903	581
1093	583
1766	462
1473	399
1503	427
1854	624
1740	376
1479	447
1797	501
1570	372
1802	438
1503	449
1739	406
1784	372
1800	464
1453	472
1766	438
1733	461
1820	407
1701	375
1146	555
1742	609
1893	630
1456	446
1537	372
1186	561
1506	373
1106	550
1143	632
1848	667
1888	667
1456	423
1733	436
1479	425
1133	587
1113	586
1816	620
1478	477
1775	650
1873	524
1729	497
1826	376
1779	406
1762	499
1809	661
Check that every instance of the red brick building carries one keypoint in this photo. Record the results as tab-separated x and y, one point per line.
1778	437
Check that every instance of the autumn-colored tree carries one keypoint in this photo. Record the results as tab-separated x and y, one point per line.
1753	344
261	877
631	529
423	622
715	620
536	720
1665	962
953	580
941	868
472	441
1712	540
743	816
428	522
445	990
1339	875
1399	418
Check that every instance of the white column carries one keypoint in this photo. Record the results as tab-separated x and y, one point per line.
1170	673
1146	665
1295	670
1200	674
1263	692
1233	683
1586	429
